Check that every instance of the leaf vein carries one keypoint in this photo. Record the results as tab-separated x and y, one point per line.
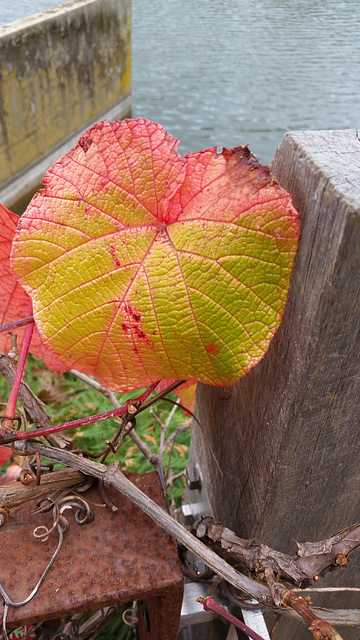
202	293
190	304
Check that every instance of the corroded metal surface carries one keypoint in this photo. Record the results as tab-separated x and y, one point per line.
162	620
119	557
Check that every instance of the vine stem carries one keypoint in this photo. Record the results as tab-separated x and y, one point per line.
131	407
112	476
16	324
209	604
11	405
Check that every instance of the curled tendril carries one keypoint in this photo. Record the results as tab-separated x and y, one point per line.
8	602
42	532
73	633
18	418
83	515
27	477
130	617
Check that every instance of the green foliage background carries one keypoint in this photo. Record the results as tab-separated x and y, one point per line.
68	398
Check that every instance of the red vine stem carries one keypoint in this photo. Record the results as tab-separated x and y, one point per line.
130	407
209	604
15	324
11	405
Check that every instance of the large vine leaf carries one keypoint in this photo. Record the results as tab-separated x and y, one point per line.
144	265
14	301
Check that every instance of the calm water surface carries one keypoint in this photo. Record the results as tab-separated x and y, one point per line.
15	9
228	72
224	72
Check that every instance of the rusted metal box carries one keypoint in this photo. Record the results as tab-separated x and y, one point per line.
118	558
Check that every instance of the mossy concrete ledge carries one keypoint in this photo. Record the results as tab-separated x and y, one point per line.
60	72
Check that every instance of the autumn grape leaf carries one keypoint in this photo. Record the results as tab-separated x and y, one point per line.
144	265
14	301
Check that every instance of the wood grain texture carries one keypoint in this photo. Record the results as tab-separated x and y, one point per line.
287	435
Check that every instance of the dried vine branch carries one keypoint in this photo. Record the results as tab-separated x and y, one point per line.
285	597
267	564
319	627
270	566
112	476
312	559
14	494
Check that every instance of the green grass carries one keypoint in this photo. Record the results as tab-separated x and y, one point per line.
115	630
68	398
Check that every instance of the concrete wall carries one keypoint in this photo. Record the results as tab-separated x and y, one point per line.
60	71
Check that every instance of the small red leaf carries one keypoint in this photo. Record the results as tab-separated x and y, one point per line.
5	454
185	392
14	301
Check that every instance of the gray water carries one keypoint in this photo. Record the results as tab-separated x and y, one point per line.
229	72
11	10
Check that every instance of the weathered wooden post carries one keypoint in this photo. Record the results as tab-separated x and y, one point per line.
287	436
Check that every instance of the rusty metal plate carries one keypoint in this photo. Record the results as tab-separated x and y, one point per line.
117	558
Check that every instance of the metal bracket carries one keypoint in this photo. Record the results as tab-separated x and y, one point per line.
196	505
